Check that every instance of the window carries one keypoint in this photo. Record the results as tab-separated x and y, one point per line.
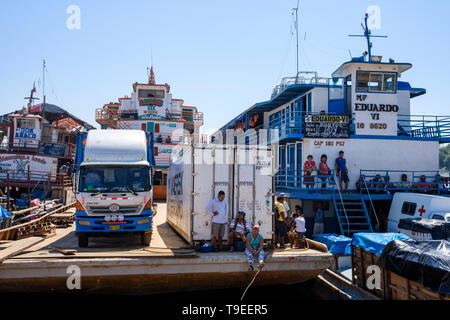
409	208
25	123
376	82
438	217
114	179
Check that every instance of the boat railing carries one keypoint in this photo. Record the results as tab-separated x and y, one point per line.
281	125
372	207
390	181
302	77
32	147
423	126
34	179
305	181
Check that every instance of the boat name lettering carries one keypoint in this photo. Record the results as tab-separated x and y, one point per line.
375	107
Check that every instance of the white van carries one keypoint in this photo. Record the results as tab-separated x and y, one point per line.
416	205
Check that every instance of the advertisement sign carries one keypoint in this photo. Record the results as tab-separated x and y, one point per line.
52	149
17	165
326	126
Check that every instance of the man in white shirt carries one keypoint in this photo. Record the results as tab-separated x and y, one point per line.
218	208
287	209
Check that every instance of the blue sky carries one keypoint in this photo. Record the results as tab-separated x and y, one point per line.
221	56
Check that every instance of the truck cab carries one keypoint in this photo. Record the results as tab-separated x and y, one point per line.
114	184
415	205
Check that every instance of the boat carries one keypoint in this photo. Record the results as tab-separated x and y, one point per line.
151	108
36	153
364	110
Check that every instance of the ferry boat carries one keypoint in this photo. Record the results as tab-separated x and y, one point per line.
36	153
364	110
151	108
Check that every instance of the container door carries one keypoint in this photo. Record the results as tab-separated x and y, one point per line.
212	173
253	173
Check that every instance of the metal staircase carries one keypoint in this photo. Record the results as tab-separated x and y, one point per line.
351	213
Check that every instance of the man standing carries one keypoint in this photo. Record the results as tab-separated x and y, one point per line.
318	219
341	171
217	208
287	210
280	224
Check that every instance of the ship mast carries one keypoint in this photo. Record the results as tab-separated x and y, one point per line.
296	33
367	34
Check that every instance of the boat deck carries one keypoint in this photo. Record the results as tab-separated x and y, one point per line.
113	264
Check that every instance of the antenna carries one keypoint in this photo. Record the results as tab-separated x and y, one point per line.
43	89
367	34
296	33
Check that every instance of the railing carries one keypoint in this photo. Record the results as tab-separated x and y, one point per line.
420	126
105	114
305	183
381	182
290	123
32	147
372	207
303	77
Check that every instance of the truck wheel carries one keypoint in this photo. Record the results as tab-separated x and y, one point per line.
146	237
83	240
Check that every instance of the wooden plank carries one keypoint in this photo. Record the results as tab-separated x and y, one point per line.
18	246
67	252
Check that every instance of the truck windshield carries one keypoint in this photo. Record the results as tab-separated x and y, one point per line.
114	179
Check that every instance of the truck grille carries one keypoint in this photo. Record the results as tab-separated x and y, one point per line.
122	210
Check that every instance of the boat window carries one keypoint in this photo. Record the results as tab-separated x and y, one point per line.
25	123
376	81
409	208
438	217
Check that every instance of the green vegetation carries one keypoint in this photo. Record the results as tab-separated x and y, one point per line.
444	157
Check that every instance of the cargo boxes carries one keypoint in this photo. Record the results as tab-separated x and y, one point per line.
366	249
416	270
196	175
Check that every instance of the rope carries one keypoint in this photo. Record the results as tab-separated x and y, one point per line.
250	284
254	277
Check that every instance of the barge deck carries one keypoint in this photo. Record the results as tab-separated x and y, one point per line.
118	265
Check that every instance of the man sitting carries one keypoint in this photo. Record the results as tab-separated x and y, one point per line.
298	229
238	231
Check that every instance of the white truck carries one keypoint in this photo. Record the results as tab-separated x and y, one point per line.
198	173
416	205
114	184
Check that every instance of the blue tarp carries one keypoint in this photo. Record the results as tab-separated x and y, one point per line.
335	243
375	242
4	213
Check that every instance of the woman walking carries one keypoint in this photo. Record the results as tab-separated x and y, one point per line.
255	244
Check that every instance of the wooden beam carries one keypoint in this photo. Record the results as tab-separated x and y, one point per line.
18	246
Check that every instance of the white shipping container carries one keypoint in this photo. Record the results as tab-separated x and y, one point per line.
198	173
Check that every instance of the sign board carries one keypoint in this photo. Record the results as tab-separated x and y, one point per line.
17	165
52	149
326	126
375	114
